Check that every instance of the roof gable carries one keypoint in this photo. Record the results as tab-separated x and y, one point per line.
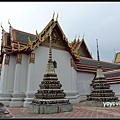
57	42
60	42
83	50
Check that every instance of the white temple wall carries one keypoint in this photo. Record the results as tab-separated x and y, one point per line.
116	89
2	74
83	84
63	69
23	73
0	84
73	80
73	95
11	73
41	58
7	86
30	77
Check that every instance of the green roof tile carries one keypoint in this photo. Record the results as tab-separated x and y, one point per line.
22	37
95	63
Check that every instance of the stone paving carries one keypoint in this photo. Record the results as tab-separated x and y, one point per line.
80	110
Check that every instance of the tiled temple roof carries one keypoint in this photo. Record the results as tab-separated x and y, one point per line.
23	37
114	73
113	77
90	65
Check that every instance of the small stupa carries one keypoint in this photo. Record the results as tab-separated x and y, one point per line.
101	89
50	98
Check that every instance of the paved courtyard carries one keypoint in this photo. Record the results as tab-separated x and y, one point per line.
80	110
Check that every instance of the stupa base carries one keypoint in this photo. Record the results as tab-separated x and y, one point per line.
50	108
95	103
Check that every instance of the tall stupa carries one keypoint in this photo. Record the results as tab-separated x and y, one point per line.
101	89
50	98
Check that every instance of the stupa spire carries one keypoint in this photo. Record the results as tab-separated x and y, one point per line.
98	57
99	70
50	65
50	47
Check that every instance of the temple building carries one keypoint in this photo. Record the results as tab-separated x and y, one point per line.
23	64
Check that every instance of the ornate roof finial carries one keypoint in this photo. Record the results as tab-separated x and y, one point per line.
53	15
10	27
114	50
78	38
83	36
2	27
114	55
75	39
3	31
75	36
98	54
9	22
57	17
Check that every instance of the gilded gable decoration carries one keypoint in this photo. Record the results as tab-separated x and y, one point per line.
32	58
3	49
7	59
19	58
56	41
79	48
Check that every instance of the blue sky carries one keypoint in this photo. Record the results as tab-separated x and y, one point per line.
94	20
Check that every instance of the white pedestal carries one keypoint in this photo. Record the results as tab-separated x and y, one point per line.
5	98
17	99
28	99
73	97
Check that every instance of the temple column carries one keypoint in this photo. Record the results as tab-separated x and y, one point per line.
73	95
30	81
5	97
17	96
